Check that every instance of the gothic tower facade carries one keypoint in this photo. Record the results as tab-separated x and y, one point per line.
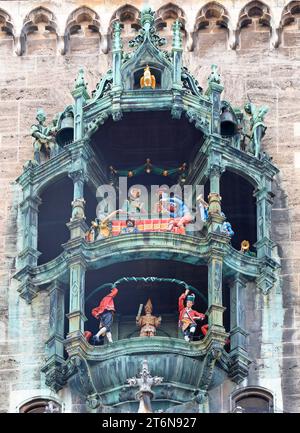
200	94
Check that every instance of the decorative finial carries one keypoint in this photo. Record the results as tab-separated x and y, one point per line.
80	82
147	18
117	41
214	75
177	36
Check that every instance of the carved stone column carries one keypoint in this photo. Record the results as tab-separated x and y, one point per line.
30	208
215	303
214	90
238	335
80	96
77	225
264	200
76	314
55	343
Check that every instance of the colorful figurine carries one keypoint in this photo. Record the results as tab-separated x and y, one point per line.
105	312
258	128
133	205
130	227
100	229
226	226
148	323
188	316
203	207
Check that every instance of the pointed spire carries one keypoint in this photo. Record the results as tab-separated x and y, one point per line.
80	82
214	75
147	18
177	36
117	40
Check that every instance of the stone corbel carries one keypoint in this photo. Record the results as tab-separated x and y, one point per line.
20	44
104	43
275	37
190	41
87	387
61	44
208	366
233	38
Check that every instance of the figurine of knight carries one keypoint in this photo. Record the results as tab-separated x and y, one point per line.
188	316
43	137
148	323
257	125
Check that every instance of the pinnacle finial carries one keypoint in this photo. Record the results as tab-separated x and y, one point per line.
214	75
117	40
177	36
80	82
147	18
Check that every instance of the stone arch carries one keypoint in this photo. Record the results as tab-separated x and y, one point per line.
211	27
6	32
82	33
128	16
252	399
164	19
290	25
254	18
39	32
40	405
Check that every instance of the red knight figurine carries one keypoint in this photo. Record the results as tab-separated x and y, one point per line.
105	312
188	316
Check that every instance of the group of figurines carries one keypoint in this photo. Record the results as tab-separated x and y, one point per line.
170	208
148	323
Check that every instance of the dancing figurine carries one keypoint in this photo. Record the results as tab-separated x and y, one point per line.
188	316
105	312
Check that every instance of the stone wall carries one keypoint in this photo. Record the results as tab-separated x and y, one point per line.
257	49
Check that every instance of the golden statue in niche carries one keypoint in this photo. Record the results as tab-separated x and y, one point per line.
147	80
148	323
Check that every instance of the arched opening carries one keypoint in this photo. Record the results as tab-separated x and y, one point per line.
54	213
39	405
239	206
252	400
163	294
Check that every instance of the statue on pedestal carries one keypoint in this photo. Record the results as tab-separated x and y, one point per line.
43	137
258	128
147	80
148	323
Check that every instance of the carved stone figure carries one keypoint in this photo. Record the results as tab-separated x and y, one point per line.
257	125
148	323
43	137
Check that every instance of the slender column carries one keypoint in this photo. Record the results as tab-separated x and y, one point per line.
117	57
56	322
238	335
177	55
214	91
77	296
80	96
215	307
29	253
264	200
77	224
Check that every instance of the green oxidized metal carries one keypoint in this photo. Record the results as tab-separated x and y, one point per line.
100	373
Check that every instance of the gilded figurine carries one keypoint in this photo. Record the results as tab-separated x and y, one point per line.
148	79
148	323
43	137
257	125
188	316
